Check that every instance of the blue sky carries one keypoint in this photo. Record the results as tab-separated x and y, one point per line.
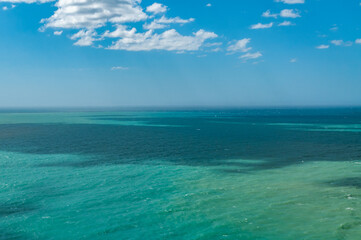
180	53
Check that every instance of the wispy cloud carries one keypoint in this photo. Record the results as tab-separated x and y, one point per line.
337	42
164	22
58	33
5	8
27	1
323	46
358	41
240	46
291	1
334	28
341	43
268	14
119	68
251	55
285	13
261	26
285	23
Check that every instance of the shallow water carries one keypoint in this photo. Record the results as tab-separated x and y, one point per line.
246	174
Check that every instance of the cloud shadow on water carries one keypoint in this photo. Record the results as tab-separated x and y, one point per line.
200	142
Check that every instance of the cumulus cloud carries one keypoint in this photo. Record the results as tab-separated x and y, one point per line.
261	26
156	8
169	40
291	1
289	13
323	46
87	17
78	14
85	37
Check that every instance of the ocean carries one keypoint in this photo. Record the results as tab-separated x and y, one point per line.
265	174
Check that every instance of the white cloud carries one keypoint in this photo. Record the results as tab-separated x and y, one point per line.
358	41
85	37
213	44
169	40
163	22
240	46
323	46
209	5
285	13
268	14
5	8
89	14
285	23
251	55
58	33
154	25
156	8
119	68
216	49
293	60
261	26
174	20
341	43
289	13
291	1
337	42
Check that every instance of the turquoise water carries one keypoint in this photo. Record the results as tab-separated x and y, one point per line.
246	174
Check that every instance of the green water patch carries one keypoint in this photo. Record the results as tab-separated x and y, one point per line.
315	200
77	118
320	127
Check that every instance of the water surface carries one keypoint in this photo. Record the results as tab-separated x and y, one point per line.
215	174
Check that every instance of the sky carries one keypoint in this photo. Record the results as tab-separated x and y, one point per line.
233	53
